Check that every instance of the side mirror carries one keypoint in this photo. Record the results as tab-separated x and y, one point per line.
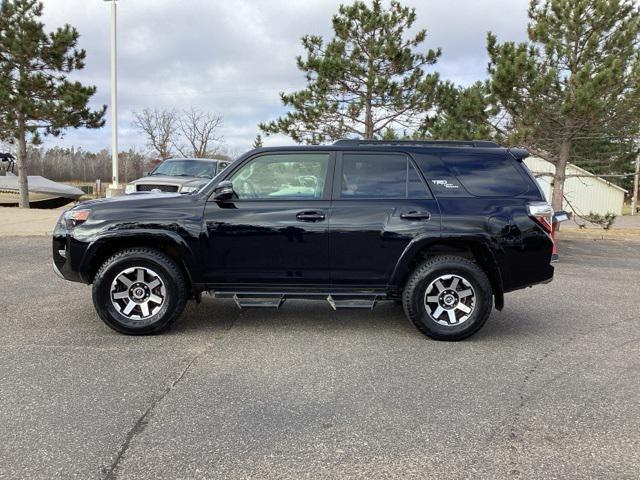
561	216
223	191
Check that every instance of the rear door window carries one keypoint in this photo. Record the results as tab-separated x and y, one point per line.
487	176
380	176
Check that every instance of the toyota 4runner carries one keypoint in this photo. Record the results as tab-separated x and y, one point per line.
445	228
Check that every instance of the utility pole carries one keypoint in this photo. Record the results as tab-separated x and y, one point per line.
634	202
114	189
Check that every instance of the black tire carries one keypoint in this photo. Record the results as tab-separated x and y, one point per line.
174	291
414	297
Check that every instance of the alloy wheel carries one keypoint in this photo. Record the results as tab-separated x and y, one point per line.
138	293
450	300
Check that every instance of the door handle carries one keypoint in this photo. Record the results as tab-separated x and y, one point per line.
415	215
310	216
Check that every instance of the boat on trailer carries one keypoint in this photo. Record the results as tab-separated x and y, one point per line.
43	193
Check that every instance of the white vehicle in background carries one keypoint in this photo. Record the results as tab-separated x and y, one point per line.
178	175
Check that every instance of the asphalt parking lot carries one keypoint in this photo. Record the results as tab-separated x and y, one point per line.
550	388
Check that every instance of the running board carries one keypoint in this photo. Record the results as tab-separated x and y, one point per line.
337	300
367	302
258	302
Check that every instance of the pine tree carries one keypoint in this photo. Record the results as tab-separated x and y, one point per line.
606	157
460	113
257	143
369	78
576	79
35	96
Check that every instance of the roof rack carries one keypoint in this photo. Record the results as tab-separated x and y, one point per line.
418	143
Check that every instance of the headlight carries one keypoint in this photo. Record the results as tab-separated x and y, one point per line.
130	188
188	189
73	218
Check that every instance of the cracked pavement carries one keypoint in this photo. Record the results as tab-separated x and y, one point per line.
549	388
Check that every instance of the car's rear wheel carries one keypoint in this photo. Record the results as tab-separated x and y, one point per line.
139	291
448	298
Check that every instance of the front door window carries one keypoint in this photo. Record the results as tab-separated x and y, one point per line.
299	176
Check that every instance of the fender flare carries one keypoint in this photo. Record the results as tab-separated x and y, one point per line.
140	237
402	269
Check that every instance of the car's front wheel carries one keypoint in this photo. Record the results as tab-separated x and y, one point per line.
448	298
139	291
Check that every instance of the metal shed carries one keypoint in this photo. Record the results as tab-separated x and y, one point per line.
586	193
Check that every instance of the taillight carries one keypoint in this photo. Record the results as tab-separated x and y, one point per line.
542	213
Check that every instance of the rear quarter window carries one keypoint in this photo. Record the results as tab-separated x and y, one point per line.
488	176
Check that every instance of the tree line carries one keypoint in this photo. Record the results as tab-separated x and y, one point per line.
76	164
64	164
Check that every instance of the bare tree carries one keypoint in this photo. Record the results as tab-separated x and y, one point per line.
200	132
160	128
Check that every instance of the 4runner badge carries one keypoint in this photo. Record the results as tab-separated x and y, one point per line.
444	183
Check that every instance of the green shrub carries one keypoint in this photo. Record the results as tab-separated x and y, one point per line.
605	221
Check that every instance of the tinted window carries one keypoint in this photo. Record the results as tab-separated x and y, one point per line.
415	187
487	176
379	176
281	176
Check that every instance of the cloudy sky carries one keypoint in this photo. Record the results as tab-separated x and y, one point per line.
235	56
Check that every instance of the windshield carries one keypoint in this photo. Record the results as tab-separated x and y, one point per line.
186	168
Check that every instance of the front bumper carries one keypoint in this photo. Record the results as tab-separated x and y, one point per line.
57	271
66	255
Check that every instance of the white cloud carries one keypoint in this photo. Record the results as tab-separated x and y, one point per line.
234	57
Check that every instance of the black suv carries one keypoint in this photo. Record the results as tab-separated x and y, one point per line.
445	228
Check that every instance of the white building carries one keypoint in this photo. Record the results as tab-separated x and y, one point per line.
586	193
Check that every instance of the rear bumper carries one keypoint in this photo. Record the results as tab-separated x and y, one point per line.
542	275
528	261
